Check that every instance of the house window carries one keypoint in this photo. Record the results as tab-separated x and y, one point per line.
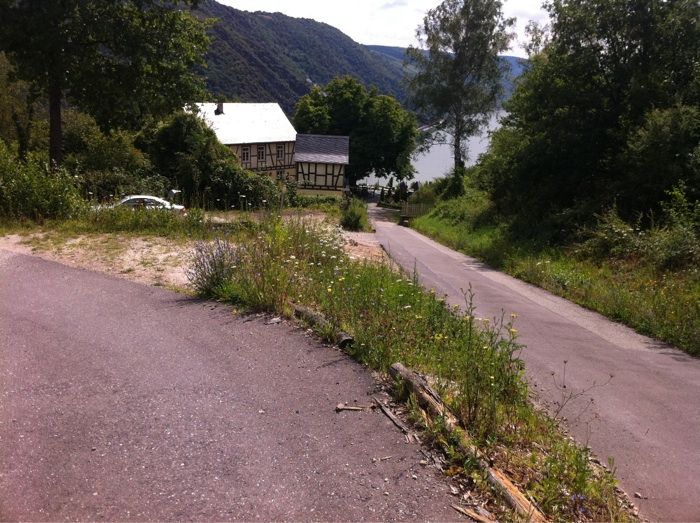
245	154
261	153
280	151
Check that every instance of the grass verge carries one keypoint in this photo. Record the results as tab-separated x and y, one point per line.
474	362
139	222
664	304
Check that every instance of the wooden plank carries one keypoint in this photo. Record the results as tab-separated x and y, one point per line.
472	514
431	401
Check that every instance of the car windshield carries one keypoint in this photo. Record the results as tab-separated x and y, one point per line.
146	201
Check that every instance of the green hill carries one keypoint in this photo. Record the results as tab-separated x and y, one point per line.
271	57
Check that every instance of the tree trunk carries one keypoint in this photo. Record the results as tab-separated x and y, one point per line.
55	129
458	136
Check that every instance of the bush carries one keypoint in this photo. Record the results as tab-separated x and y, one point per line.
212	265
425	194
454	188
663	153
31	190
674	244
108	165
353	215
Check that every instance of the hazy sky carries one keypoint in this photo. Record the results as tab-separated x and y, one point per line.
382	22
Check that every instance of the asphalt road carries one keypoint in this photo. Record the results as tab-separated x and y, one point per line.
647	418
121	401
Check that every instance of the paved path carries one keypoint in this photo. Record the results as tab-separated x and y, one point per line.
647	418
125	402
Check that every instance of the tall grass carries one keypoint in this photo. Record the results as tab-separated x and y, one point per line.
153	222
646	278
473	361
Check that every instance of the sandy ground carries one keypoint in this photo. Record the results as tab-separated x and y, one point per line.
151	260
364	245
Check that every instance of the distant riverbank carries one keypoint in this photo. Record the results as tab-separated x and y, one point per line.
437	161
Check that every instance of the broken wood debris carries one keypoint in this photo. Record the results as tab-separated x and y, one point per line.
472	514
316	319
344	406
396	421
431	401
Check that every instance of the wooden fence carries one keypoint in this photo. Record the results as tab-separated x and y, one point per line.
413	210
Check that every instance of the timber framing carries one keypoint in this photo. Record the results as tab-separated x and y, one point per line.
264	141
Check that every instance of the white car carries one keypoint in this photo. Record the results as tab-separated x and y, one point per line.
142	201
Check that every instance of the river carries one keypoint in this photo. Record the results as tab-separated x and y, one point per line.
438	161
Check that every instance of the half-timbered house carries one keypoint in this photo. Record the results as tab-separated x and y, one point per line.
264	141
321	161
260	135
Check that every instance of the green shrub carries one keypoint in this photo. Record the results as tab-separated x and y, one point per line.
454	187
672	244
32	191
108	165
212	266
425	194
354	216
611	237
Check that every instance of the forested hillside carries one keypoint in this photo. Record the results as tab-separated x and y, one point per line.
271	57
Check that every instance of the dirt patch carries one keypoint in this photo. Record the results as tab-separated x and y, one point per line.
155	261
364	246
150	259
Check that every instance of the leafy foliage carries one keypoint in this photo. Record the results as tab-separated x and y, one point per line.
382	134
120	61
107	165
29	190
186	151
212	265
458	79
606	115
353	216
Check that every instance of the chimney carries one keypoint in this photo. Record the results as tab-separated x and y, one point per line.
219	108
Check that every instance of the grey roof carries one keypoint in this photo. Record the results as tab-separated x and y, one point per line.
319	148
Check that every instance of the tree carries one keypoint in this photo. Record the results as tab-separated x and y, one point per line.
119	61
17	108
186	151
605	115
458	79
382	133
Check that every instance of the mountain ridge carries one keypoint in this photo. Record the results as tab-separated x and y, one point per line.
272	57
